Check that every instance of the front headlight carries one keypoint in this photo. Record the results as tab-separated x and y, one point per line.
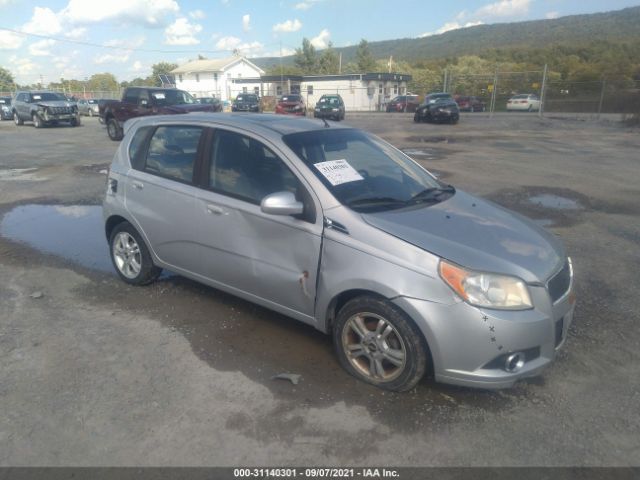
334	109
317	109
487	290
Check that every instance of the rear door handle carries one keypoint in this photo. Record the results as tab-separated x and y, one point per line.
215	209
137	185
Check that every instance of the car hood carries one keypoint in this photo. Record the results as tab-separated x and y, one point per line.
476	234
55	103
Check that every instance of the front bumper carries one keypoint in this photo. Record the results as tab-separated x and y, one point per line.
469	344
59	117
6	114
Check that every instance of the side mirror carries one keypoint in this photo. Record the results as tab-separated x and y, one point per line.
281	203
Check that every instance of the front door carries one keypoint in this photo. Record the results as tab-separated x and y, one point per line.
272	259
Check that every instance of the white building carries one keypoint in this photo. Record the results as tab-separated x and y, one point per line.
213	78
359	91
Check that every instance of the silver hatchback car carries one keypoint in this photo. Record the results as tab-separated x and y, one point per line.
336	228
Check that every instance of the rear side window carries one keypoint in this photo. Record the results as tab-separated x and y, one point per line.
136	147
172	152
131	96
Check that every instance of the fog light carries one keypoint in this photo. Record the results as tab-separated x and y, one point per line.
514	362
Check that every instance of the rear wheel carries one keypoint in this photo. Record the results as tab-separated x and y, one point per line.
379	344
17	120
131	257
113	130
90	112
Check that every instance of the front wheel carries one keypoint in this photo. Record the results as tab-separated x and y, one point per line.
131	257
37	121
379	344
17	120
90	113
74	122
416	118
113	130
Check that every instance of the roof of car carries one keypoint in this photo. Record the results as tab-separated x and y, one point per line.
279	124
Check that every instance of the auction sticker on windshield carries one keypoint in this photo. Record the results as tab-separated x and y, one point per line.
338	171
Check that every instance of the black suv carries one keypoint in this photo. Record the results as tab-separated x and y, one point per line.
44	108
438	107
329	106
246	102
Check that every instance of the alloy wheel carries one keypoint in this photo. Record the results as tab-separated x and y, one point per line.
126	255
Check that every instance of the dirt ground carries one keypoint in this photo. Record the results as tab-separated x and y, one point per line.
95	372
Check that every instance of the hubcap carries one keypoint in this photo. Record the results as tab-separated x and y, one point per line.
374	347
126	255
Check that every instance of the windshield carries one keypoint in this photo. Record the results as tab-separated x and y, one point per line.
437	97
290	98
246	98
48	97
361	171
172	97
329	100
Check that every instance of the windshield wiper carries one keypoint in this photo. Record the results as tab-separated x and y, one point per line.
376	202
432	194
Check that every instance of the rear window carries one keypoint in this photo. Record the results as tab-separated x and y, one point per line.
246	98
290	98
521	96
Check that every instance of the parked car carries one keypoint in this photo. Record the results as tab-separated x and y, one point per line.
44	108
438	107
338	229
330	106
292	104
88	107
213	101
528	102
470	104
146	101
246	102
5	108
403	103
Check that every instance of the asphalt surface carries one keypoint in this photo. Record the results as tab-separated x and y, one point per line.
95	372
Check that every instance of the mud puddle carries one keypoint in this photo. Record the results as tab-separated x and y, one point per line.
73	232
20	175
432	139
557	202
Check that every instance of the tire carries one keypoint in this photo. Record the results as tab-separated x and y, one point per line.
113	130
90	112
37	121
130	256
416	118
17	120
75	122
379	344
530	109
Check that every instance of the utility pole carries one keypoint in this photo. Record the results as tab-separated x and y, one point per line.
493	94
340	63
542	90
281	70
604	83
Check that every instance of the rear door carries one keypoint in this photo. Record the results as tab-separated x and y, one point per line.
272	259
160	193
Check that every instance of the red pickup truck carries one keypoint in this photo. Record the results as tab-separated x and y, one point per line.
143	101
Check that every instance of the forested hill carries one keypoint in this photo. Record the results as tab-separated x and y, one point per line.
575	30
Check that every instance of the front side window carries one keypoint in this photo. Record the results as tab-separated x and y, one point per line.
245	168
172	152
363	172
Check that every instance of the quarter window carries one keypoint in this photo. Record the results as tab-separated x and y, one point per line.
172	152
244	168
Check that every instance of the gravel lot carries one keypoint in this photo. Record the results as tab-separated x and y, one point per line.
94	372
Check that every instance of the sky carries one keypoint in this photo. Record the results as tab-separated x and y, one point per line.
73	39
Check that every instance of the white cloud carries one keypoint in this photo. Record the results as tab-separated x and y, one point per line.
9	40
305	4
76	32
551	15
109	58
503	8
250	49
228	43
150	13
182	32
322	39
21	66
288	26
41	48
126	43
447	27
137	66
43	22
246	22
197	14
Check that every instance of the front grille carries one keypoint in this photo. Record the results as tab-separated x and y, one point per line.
559	330
560	283
61	110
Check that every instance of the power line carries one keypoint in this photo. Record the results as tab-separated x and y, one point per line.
116	47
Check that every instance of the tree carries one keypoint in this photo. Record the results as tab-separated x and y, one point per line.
364	58
7	83
162	68
328	63
306	58
102	82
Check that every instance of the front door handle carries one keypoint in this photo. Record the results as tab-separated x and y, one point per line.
215	209
137	185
